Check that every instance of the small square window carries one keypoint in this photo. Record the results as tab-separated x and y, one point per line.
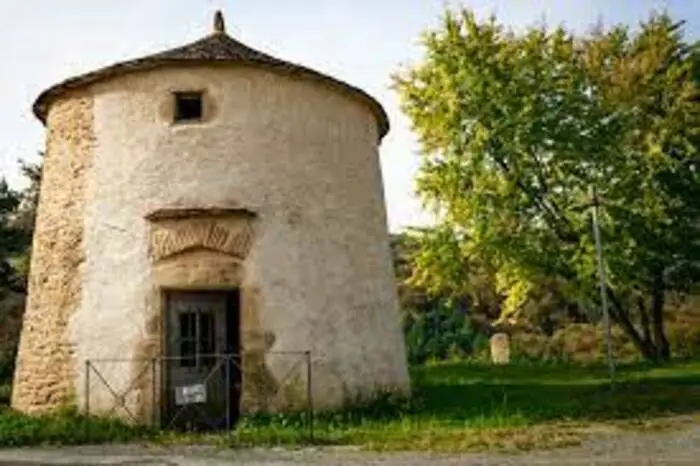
188	106
197	339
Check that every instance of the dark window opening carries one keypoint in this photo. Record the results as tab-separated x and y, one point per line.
188	351
188	106
207	344
188	340
196	338
206	335
188	325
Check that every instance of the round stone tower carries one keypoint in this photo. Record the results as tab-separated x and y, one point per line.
209	209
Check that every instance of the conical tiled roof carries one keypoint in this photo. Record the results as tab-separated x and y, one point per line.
216	48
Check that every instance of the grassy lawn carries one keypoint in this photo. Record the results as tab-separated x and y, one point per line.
458	406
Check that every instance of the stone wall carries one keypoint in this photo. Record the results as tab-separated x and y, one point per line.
45	370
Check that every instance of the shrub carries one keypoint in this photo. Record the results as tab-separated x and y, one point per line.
63	428
438	333
11	310
684	338
585	343
530	346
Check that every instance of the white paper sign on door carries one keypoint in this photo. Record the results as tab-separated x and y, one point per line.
190	394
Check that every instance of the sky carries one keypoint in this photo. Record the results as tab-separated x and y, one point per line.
359	41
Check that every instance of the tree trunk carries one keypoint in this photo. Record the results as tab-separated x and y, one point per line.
621	317
663	350
644	321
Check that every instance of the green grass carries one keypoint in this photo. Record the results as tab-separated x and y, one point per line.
536	393
457	406
65	428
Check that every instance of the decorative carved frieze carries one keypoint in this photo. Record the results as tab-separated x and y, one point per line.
227	236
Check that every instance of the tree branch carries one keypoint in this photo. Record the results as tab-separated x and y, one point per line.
554	219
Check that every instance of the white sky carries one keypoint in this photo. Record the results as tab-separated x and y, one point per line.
359	41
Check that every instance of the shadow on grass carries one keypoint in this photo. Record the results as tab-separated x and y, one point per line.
460	393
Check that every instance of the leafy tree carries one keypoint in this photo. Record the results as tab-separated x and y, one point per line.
17	214
30	195
436	325
12	243
12	239
516	129
25	216
439	332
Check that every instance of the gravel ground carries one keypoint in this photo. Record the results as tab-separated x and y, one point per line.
669	448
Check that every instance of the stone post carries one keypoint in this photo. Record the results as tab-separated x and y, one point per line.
500	348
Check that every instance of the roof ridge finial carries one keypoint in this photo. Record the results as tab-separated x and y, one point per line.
219	23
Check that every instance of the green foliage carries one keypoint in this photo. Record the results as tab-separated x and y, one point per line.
25	215
575	343
64	428
12	239
11	310
438	333
515	129
17	216
584	342
437	325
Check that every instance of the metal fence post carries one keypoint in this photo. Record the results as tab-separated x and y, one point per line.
87	388
309	397
603	284
227	358
154	419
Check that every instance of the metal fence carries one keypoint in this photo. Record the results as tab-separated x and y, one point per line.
203	392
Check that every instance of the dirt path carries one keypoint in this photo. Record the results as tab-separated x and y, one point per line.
670	448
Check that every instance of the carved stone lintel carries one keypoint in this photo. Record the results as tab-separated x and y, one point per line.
198	212
232	236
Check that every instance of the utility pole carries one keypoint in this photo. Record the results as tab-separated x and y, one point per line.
602	281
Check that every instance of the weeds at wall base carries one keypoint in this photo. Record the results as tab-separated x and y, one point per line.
65	427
